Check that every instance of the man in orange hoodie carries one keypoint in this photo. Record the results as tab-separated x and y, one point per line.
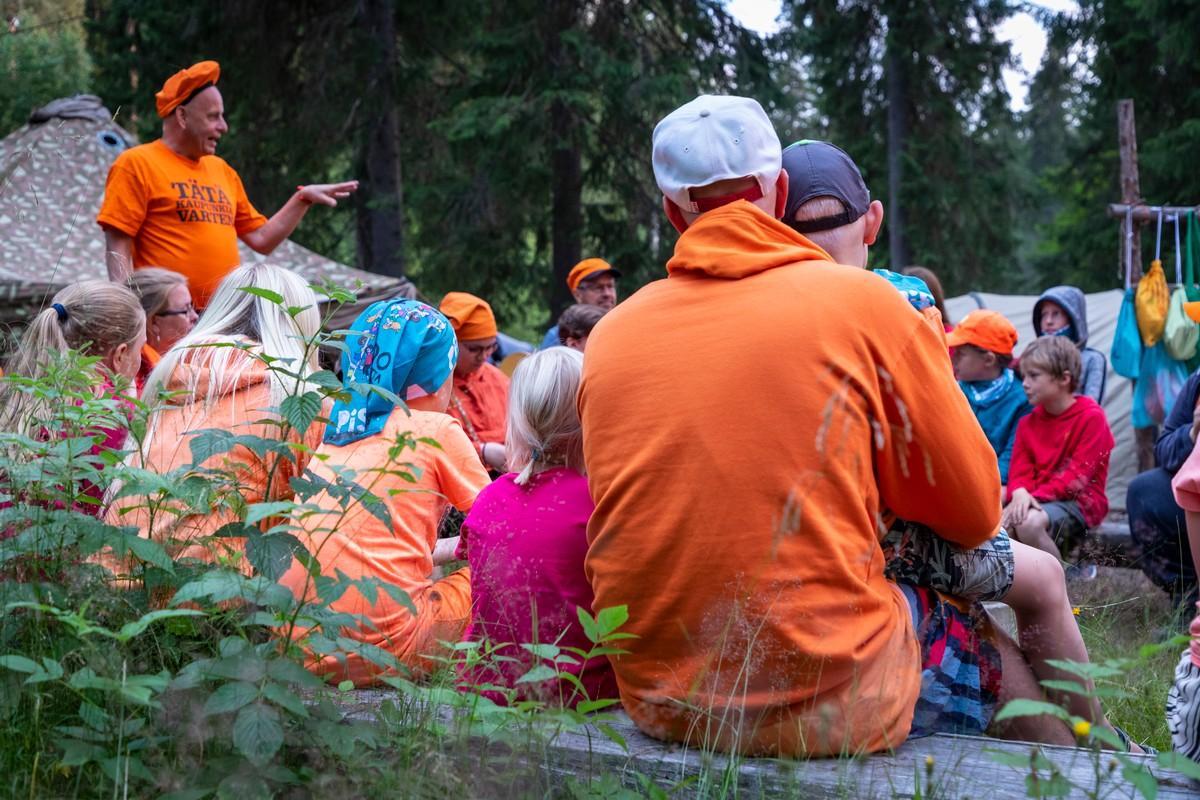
743	429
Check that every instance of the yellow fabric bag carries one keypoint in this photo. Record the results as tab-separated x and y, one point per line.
1152	302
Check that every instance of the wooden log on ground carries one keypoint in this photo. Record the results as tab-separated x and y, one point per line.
938	766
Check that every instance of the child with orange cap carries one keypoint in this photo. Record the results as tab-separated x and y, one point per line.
983	346
480	400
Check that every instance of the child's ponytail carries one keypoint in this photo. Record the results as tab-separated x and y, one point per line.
543	421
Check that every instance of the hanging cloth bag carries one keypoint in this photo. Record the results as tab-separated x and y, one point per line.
1153	298
1154	393
1126	352
1182	333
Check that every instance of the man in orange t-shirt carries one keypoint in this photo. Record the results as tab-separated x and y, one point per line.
480	400
746	421
173	203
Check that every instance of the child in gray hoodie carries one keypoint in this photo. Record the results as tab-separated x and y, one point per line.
1062	311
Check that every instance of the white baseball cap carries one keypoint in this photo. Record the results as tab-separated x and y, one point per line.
714	138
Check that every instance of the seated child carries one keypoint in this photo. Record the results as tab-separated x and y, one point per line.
576	323
1062	311
408	349
1029	581
983	346
1056	480
96	318
1183	701
215	377
526	537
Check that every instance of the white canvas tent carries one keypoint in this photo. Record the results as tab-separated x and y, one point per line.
1102	310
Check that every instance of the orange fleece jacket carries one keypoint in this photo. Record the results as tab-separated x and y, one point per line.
746	422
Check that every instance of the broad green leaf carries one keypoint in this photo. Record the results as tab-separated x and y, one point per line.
590	706
230	697
288	671
1142	779
19	664
300	410
77	753
257	733
588	622
1030	708
546	651
272	555
283	697
541	672
1054	785
1016	760
265	294
612	735
608	620
257	512
131	629
1180	763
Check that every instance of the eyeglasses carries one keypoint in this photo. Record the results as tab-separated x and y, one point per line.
188	309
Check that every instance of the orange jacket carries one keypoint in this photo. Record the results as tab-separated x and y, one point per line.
746	421
360	545
234	405
480	403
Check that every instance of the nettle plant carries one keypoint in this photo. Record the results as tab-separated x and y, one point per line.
186	678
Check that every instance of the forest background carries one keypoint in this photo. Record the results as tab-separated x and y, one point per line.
500	142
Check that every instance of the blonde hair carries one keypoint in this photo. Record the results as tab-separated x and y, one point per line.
96	317
247	321
153	285
543	420
1056	355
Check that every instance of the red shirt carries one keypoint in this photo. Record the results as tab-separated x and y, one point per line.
1064	457
480	403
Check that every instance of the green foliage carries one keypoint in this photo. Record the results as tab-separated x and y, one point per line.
44	59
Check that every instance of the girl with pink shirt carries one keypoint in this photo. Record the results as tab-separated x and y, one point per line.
1183	701
525	540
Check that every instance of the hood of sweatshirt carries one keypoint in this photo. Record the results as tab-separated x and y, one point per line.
1073	302
739	240
205	374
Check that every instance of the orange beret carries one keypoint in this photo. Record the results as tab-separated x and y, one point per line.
179	87
470	316
589	268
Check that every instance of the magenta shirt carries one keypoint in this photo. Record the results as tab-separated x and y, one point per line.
525	546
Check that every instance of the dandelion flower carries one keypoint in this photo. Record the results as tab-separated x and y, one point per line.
1082	728
1075	610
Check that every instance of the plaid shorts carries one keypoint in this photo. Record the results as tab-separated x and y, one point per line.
960	667
916	555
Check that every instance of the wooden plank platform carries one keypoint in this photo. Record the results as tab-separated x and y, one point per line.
962	766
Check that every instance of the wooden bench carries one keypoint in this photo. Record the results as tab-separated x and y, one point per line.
961	766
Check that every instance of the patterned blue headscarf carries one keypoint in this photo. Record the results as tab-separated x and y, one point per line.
403	346
915	290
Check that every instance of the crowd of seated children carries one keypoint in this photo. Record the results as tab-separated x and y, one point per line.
170	314
96	318
525	541
576	323
1059	467
1062	311
409	349
480	400
983	346
215	377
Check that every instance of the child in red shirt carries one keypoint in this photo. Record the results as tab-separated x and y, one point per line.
1060	456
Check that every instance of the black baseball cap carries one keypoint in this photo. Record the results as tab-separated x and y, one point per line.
821	169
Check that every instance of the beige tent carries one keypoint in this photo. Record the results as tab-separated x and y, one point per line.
1102	310
52	173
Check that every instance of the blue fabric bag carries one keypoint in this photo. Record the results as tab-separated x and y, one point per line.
1154	393
1126	353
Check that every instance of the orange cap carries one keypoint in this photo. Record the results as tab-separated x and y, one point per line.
470	316
1192	310
588	268
987	330
180	87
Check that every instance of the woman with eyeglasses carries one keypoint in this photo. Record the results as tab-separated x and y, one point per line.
480	399
169	313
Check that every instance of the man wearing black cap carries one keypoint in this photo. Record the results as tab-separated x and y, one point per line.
829	203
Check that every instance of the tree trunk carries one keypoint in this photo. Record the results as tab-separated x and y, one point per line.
381	201
897	138
566	168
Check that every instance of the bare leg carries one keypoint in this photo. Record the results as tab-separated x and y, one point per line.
1017	682
1035	532
1047	629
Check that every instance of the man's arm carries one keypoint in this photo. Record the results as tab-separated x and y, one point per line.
267	237
118	254
1175	442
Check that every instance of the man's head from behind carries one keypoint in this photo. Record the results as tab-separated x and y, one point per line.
593	281
716	150
828	201
192	110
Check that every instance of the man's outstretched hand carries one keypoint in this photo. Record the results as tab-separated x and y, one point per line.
327	194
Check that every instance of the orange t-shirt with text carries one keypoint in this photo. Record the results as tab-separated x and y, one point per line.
184	215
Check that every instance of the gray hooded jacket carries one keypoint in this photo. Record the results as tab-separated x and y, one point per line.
1095	365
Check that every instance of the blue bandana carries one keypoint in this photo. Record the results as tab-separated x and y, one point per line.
915	291
1068	331
984	392
403	346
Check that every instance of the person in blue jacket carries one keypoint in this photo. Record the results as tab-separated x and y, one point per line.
1156	522
983	346
1062	311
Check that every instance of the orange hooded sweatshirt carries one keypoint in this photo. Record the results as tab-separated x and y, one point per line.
746	421
237	405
